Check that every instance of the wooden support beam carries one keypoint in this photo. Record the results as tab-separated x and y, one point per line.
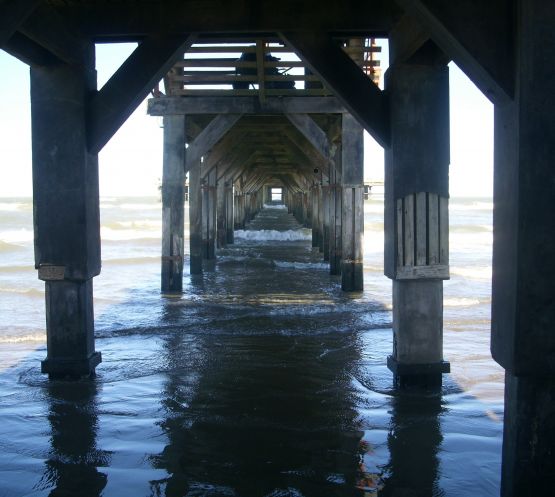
406	38
28	51
13	13
209	136
477	35
260	70
244	105
362	98
49	30
312	132
131	83
114	19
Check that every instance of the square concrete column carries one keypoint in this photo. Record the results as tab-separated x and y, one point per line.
352	204
523	284
416	218
66	212
173	203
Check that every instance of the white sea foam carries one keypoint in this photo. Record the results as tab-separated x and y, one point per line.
16	236
139	206
302	265
127	234
482	273
473	206
374	208
28	337
281	207
460	302
289	235
14	206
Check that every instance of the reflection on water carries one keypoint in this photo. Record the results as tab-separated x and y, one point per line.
71	466
261	415
414	441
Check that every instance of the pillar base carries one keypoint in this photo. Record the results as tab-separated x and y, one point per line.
528	434
426	375
71	368
352	277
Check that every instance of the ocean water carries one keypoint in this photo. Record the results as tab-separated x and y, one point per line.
262	379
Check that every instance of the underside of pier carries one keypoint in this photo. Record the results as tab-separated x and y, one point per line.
258	95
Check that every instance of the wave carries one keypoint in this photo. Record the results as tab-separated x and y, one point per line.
128	234
130	260
15	206
38	337
30	292
476	205
281	207
460	302
302	265
140	206
9	247
262	235
14	236
472	273
134	225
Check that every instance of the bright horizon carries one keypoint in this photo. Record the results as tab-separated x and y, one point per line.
135	151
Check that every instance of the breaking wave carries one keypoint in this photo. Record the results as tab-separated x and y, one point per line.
286	236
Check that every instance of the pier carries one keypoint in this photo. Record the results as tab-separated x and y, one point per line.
263	97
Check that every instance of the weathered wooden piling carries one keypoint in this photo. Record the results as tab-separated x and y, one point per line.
173	199
352	204
209	216
229	206
221	214
416	217
195	218
66	212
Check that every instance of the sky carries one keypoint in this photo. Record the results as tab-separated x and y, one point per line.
131	163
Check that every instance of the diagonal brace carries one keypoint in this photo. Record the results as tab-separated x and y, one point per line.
358	93
131	83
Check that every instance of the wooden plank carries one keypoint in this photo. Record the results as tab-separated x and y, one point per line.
209	136
243	105
408	232
437	271
232	62
48	29
13	13
339	72
420	235
220	77
29	52
260	69
173	181
131	83
245	93
239	49
226	21
481	52
433	229
443	230
312	132
400	233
